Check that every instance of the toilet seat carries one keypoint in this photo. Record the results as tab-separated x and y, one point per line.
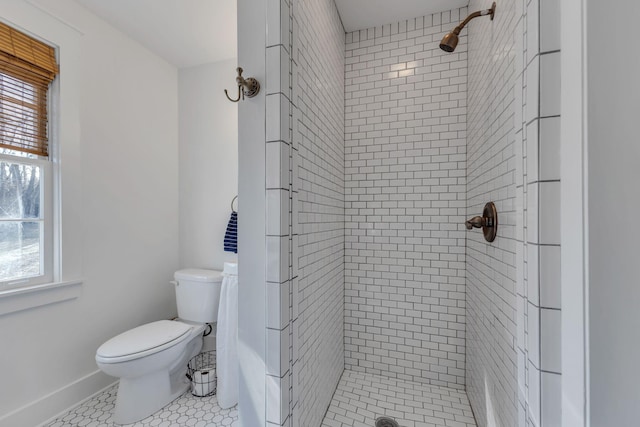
143	341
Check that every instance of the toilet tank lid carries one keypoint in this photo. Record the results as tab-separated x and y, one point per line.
142	338
198	275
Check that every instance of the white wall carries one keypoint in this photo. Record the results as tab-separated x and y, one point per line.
129	209
208	133
614	203
252	264
573	214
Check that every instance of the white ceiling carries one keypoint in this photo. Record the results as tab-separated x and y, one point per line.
360	14
192	32
184	32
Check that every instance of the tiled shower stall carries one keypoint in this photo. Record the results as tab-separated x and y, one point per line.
371	148
405	198
378	146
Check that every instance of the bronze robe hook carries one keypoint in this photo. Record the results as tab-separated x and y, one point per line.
246	87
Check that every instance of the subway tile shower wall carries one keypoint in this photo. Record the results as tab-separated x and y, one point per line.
494	84
405	201
312	40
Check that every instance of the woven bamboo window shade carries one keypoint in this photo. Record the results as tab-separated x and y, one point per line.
27	68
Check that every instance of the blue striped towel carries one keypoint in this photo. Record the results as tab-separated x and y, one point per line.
231	235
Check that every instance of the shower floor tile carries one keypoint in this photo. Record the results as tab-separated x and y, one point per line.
186	410
361	398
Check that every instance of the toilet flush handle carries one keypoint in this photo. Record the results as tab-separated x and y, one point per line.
174	283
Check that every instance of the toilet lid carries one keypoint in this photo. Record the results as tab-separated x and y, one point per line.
143	338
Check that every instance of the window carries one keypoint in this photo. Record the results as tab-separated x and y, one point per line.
27	69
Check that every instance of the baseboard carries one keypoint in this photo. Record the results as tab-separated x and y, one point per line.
55	403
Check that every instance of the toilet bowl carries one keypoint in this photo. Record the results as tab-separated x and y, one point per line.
151	360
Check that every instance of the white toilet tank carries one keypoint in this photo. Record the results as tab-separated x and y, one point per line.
198	294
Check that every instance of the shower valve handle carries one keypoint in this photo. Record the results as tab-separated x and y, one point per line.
476	221
488	222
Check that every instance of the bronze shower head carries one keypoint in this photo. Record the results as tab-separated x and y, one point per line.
450	41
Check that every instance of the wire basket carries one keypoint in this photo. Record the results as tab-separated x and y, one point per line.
201	371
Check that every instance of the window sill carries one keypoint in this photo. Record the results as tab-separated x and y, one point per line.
13	300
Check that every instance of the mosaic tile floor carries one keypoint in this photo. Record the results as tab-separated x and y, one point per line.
186	410
358	401
361	398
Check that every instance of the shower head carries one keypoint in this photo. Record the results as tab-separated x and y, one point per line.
450	41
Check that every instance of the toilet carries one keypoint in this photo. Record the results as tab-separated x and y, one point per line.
151	360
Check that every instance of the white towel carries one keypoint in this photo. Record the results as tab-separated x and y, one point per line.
227	342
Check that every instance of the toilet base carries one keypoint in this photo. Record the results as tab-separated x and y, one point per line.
142	396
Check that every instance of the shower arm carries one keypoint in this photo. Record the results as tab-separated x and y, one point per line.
485	12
